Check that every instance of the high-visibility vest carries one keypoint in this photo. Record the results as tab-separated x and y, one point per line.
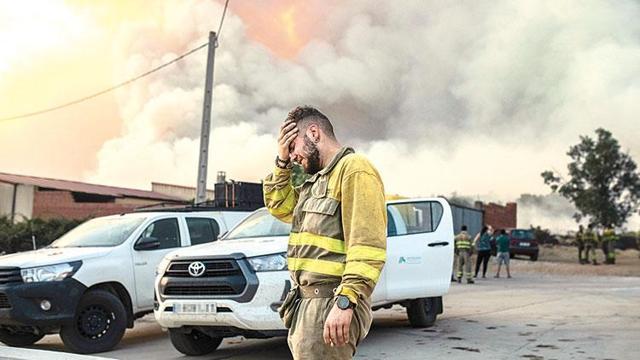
589	236
463	241
609	235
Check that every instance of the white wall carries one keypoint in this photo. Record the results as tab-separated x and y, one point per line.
24	201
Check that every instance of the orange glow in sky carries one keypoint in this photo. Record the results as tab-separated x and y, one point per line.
283	26
61	50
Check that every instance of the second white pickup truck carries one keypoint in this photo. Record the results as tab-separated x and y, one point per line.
234	286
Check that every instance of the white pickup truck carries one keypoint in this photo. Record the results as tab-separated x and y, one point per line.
234	286
92	283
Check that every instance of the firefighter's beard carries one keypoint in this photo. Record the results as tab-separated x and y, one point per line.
312	155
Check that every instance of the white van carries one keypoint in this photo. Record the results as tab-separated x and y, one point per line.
92	283
234	286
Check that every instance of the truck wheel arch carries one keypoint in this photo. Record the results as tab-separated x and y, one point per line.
121	292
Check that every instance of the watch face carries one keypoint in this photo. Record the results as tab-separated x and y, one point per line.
343	302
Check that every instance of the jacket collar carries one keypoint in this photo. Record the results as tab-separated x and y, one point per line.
332	164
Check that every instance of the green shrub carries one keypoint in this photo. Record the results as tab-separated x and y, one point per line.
17	237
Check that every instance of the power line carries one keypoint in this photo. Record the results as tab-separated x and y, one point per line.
125	83
224	12
88	97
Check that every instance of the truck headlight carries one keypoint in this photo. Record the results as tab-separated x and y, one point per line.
55	272
274	262
162	267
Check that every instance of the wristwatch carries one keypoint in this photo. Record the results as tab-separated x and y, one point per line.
283	164
344	303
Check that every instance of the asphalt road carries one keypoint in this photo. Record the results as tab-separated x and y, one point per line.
531	316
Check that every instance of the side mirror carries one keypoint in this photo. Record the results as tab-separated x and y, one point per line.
147	243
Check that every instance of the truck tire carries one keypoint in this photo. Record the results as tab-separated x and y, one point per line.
193	343
18	338
99	323
422	312
534	257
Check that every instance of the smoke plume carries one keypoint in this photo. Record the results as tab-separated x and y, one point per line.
473	97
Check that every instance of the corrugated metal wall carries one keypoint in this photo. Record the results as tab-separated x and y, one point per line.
473	218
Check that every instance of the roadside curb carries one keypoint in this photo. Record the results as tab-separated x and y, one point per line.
29	354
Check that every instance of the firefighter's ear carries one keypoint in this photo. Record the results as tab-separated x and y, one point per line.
313	132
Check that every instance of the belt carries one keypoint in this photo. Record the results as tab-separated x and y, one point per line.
317	291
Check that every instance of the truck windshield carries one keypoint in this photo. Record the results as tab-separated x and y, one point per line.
100	232
259	224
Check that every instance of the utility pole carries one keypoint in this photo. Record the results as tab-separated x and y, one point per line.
205	132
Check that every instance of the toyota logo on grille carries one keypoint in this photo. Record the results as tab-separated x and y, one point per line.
196	269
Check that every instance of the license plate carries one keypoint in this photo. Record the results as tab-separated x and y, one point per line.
194	308
524	244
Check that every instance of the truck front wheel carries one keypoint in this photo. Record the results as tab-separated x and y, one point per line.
194	342
422	312
99	323
14	337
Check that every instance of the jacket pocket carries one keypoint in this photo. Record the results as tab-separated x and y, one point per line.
289	306
325	206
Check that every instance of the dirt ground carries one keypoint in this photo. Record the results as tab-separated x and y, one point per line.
563	260
554	308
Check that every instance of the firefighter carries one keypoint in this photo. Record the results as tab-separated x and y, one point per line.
580	244
463	250
609	239
590	242
337	245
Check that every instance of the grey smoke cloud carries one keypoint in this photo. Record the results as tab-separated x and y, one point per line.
473	97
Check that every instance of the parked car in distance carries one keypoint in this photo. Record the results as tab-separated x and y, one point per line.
523	242
235	286
94	281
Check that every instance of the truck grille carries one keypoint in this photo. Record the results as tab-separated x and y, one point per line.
214	268
10	275
4	302
200	290
221	277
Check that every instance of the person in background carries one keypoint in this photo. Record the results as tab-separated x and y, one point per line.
609	239
638	242
463	251
482	243
580	244
590	242
502	242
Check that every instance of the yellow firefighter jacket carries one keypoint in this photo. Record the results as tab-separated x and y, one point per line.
462	241
609	235
339	224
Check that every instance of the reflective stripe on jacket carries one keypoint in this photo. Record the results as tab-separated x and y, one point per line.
339	224
462	241
589	236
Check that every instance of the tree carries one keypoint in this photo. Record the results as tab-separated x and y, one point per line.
604	185
543	236
17	237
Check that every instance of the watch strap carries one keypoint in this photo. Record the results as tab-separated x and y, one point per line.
283	164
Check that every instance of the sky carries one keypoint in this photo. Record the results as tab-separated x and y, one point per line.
472	98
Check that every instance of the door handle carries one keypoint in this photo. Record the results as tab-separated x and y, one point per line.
443	243
140	263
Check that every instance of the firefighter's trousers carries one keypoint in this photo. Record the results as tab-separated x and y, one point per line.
305	334
463	258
